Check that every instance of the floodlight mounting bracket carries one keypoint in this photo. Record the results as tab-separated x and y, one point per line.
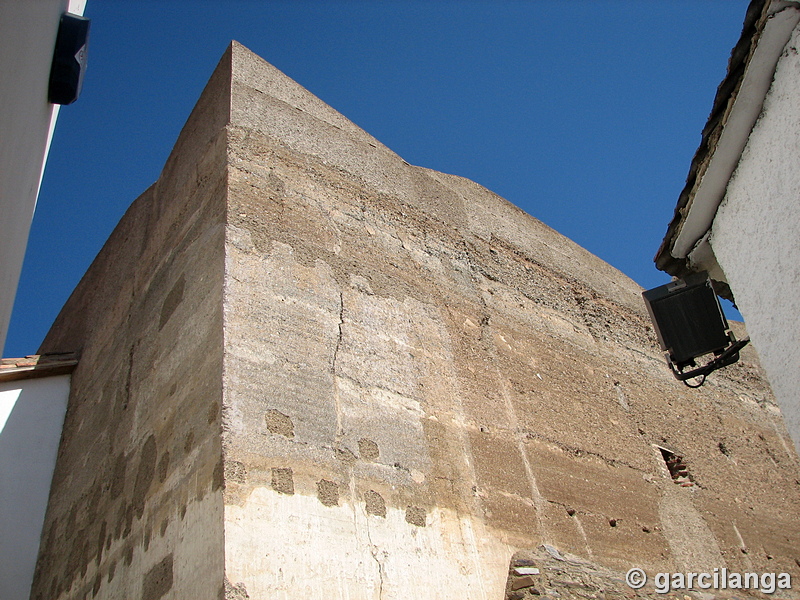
726	357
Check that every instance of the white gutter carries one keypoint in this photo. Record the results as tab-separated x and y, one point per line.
743	116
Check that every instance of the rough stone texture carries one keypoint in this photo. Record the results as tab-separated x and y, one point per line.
415	515
234	592
328	492
374	503
282	481
367	449
509	379
279	423
468	382
569	577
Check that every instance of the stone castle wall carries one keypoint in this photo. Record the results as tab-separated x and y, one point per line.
435	356
408	379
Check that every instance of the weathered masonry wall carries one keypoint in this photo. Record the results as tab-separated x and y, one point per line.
420	379
136	502
309	369
756	235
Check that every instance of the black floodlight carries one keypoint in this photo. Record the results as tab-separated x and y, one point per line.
689	323
69	59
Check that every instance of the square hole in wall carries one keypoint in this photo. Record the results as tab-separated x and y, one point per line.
676	465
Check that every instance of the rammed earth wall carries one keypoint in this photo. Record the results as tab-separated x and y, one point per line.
310	369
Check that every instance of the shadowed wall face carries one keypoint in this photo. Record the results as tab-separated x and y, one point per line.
136	503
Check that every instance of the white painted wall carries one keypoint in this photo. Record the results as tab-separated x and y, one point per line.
27	37
31	417
756	235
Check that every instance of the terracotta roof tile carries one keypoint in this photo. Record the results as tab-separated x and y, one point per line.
37	365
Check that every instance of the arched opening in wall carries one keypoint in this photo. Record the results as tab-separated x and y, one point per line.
676	466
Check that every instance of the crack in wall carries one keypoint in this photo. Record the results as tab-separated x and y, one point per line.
336	398
579	452
373	549
128	377
339	333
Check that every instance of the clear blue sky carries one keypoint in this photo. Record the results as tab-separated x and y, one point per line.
586	114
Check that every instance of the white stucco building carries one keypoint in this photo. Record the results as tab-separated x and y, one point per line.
33	390
739	215
33	400
27	38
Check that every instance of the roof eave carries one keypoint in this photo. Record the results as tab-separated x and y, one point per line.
737	105
37	365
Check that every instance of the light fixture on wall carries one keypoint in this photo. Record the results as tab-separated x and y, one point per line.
69	59
689	324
